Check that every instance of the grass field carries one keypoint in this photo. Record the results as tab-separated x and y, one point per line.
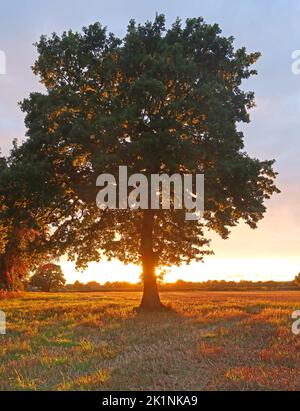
95	341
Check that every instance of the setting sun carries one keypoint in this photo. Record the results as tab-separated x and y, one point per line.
259	269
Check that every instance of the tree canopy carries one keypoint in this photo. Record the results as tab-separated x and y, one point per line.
22	226
48	277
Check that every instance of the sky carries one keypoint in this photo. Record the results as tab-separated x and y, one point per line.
271	27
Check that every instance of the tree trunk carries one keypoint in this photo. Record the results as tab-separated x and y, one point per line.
150	300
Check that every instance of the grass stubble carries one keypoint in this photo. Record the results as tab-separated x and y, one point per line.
97	341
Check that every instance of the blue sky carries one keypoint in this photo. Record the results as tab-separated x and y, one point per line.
271	27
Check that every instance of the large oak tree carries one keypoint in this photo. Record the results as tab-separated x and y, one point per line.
158	101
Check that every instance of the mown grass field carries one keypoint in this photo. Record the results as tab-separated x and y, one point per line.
95	341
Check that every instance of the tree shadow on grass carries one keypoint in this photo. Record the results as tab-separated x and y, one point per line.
109	346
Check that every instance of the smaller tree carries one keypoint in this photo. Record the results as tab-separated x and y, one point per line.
297	280
48	277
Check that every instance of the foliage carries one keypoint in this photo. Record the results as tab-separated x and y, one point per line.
22	225
48	277
3	226
181	285
297	279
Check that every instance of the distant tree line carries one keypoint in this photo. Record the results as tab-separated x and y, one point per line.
49	277
182	285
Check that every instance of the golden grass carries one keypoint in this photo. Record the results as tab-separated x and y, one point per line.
96	341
